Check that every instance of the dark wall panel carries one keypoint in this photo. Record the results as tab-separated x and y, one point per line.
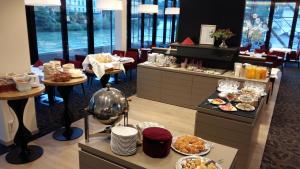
224	14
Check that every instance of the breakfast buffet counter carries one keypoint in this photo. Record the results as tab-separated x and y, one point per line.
97	153
179	86
237	129
239	115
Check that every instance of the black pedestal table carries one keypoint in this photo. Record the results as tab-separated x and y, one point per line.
22	153
67	132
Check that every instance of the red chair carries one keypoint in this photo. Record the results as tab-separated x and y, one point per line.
80	58
246	48
120	53
275	61
62	61
144	56
295	56
277	53
38	63
130	66
261	51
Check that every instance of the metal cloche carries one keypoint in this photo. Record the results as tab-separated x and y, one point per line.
108	105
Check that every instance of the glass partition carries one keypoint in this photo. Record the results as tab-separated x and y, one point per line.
48	32
77	27
282	24
135	21
255	23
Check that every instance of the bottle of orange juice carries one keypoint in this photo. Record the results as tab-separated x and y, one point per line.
257	72
250	72
263	73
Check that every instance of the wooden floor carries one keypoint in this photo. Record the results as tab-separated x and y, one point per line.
64	155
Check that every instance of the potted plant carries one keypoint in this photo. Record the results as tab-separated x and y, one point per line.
223	35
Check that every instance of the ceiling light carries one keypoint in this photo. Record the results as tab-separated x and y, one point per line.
42	2
172	11
109	5
148	8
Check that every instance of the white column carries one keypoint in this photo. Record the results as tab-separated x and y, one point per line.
121	27
14	57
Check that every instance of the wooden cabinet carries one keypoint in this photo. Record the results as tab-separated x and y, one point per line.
177	88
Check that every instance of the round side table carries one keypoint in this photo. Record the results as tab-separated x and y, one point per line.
22	153
64	88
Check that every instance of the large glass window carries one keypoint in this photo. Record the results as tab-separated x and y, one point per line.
169	24
160	22
148	29
77	27
104	31
48	31
255	23
135	24
136	19
296	42
282	24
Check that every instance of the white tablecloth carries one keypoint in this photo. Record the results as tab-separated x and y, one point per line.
99	68
284	50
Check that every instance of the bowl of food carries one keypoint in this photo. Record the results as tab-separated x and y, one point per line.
22	83
197	162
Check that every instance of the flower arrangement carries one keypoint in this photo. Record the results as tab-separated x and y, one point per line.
222	34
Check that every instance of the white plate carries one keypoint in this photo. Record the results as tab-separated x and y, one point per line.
206	151
77	76
183	159
240	108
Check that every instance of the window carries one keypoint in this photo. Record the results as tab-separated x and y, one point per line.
160	22
169	24
163	26
104	31
48	32
282	24
255	23
135	24
148	27
296	42
77	30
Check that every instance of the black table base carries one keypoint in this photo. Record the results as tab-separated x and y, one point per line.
18	156
22	153
65	135
67	132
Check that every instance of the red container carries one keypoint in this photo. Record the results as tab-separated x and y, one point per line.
7	85
157	142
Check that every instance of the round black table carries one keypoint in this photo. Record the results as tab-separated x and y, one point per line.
67	132
22	153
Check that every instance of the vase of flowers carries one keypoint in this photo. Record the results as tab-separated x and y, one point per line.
223	35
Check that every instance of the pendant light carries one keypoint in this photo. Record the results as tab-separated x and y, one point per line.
172	11
109	5
148	8
42	2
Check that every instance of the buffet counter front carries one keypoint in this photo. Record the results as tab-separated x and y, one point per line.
97	154
237	129
178	86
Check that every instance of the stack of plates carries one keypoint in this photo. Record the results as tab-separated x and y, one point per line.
123	140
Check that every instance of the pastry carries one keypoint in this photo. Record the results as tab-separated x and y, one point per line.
189	144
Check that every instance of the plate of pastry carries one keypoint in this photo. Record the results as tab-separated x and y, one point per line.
245	107
216	101
197	162
227	107
190	145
